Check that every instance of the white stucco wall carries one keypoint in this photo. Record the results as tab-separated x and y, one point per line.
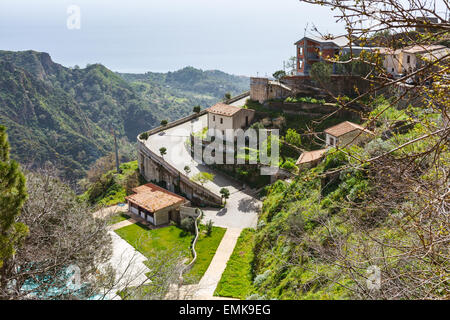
399	63
237	121
214	122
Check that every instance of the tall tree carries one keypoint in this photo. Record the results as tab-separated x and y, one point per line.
12	197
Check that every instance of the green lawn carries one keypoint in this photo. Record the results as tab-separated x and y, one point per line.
118	218
149	242
236	281
206	248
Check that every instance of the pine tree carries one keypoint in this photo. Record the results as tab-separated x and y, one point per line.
12	197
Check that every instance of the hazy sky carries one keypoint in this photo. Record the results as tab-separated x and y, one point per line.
240	37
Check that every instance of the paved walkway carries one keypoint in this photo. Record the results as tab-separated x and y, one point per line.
122	224
241	210
241	102
204	290
211	278
109	211
128	265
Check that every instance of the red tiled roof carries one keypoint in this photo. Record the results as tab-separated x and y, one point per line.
422	49
417	49
345	127
154	198
224	109
311	156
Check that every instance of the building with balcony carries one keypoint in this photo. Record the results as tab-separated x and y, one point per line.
312	49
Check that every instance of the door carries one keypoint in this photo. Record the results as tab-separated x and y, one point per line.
134	210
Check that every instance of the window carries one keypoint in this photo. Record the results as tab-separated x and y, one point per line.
300	64
221	120
300	51
408	59
214	118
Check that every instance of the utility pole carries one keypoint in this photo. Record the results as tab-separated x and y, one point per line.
116	151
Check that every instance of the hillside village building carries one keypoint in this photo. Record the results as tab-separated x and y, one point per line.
155	205
403	61
311	158
263	89
346	133
312	49
223	116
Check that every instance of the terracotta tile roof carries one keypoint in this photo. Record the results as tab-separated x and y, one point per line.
345	127
417	49
311	156
224	109
422	49
437	54
154	198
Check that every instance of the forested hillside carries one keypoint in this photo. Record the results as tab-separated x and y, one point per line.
47	124
65	115
174	93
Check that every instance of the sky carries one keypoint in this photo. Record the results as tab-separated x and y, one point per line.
246	37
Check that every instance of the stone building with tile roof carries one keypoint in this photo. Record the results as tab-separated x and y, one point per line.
155	204
343	134
346	133
310	158
223	116
409	59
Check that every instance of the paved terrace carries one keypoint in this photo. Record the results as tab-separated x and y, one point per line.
242	207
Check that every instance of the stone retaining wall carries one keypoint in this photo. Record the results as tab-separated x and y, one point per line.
310	109
155	168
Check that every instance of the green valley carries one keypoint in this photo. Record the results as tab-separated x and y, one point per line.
64	116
